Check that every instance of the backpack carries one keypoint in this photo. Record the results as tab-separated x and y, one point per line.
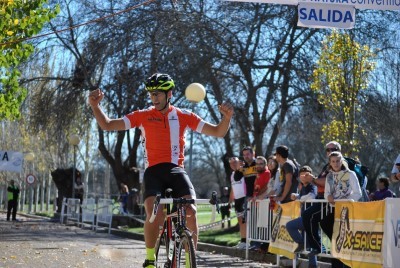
361	172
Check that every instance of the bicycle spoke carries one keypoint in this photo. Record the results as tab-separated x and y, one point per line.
162	252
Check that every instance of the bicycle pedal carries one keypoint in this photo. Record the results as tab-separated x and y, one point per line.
149	263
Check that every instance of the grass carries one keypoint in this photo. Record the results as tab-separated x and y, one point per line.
223	237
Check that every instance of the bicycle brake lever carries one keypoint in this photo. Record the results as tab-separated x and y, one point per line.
155	207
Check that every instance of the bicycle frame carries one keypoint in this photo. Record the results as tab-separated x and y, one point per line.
176	237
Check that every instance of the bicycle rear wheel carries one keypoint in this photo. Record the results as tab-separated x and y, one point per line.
161	250
186	253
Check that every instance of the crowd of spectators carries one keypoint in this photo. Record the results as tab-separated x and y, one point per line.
282	179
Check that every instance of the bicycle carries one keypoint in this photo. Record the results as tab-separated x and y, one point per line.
175	247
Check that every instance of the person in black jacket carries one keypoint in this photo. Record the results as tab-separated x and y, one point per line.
246	169
225	207
13	193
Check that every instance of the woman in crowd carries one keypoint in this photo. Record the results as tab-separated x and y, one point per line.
383	190
341	183
274	185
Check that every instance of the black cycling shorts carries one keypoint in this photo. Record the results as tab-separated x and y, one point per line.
162	176
239	204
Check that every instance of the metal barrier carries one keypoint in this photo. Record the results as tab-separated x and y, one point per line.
63	210
70	209
325	241
104	213
258	223
73	209
88	211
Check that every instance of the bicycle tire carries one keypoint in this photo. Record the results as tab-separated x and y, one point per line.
186	249
161	250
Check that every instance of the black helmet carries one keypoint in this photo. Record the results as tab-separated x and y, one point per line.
159	82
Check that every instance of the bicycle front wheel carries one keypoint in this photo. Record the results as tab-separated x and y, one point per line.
161	248
186	253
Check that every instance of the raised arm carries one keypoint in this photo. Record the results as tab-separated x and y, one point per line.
222	128
102	119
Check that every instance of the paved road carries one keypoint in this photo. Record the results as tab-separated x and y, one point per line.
37	242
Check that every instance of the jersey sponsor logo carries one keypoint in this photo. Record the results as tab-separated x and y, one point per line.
154	119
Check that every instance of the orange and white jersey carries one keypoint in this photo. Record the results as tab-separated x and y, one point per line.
163	135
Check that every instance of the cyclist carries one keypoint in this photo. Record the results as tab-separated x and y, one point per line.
163	134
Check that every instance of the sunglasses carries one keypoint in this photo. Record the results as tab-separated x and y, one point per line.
331	149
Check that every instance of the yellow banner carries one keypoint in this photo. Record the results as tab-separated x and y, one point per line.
281	242
358	233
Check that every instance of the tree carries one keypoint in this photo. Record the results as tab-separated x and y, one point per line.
230	60
19	20
342	71
252	55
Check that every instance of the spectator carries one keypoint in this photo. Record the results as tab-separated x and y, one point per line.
332	146
238	194
311	216
260	188
225	207
396	170
247	169
395	177
295	227
262	179
12	206
383	190
312	213
287	176
341	183
123	198
274	185
134	201
79	187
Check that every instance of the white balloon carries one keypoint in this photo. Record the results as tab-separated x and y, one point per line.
195	92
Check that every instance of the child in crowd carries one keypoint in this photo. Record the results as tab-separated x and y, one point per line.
383	190
295	227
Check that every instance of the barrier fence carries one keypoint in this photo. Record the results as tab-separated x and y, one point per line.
258	222
88	212
93	213
365	234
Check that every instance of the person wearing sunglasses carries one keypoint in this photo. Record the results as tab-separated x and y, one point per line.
312	215
332	146
312	212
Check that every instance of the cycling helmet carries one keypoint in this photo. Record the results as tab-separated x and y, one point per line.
159	81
